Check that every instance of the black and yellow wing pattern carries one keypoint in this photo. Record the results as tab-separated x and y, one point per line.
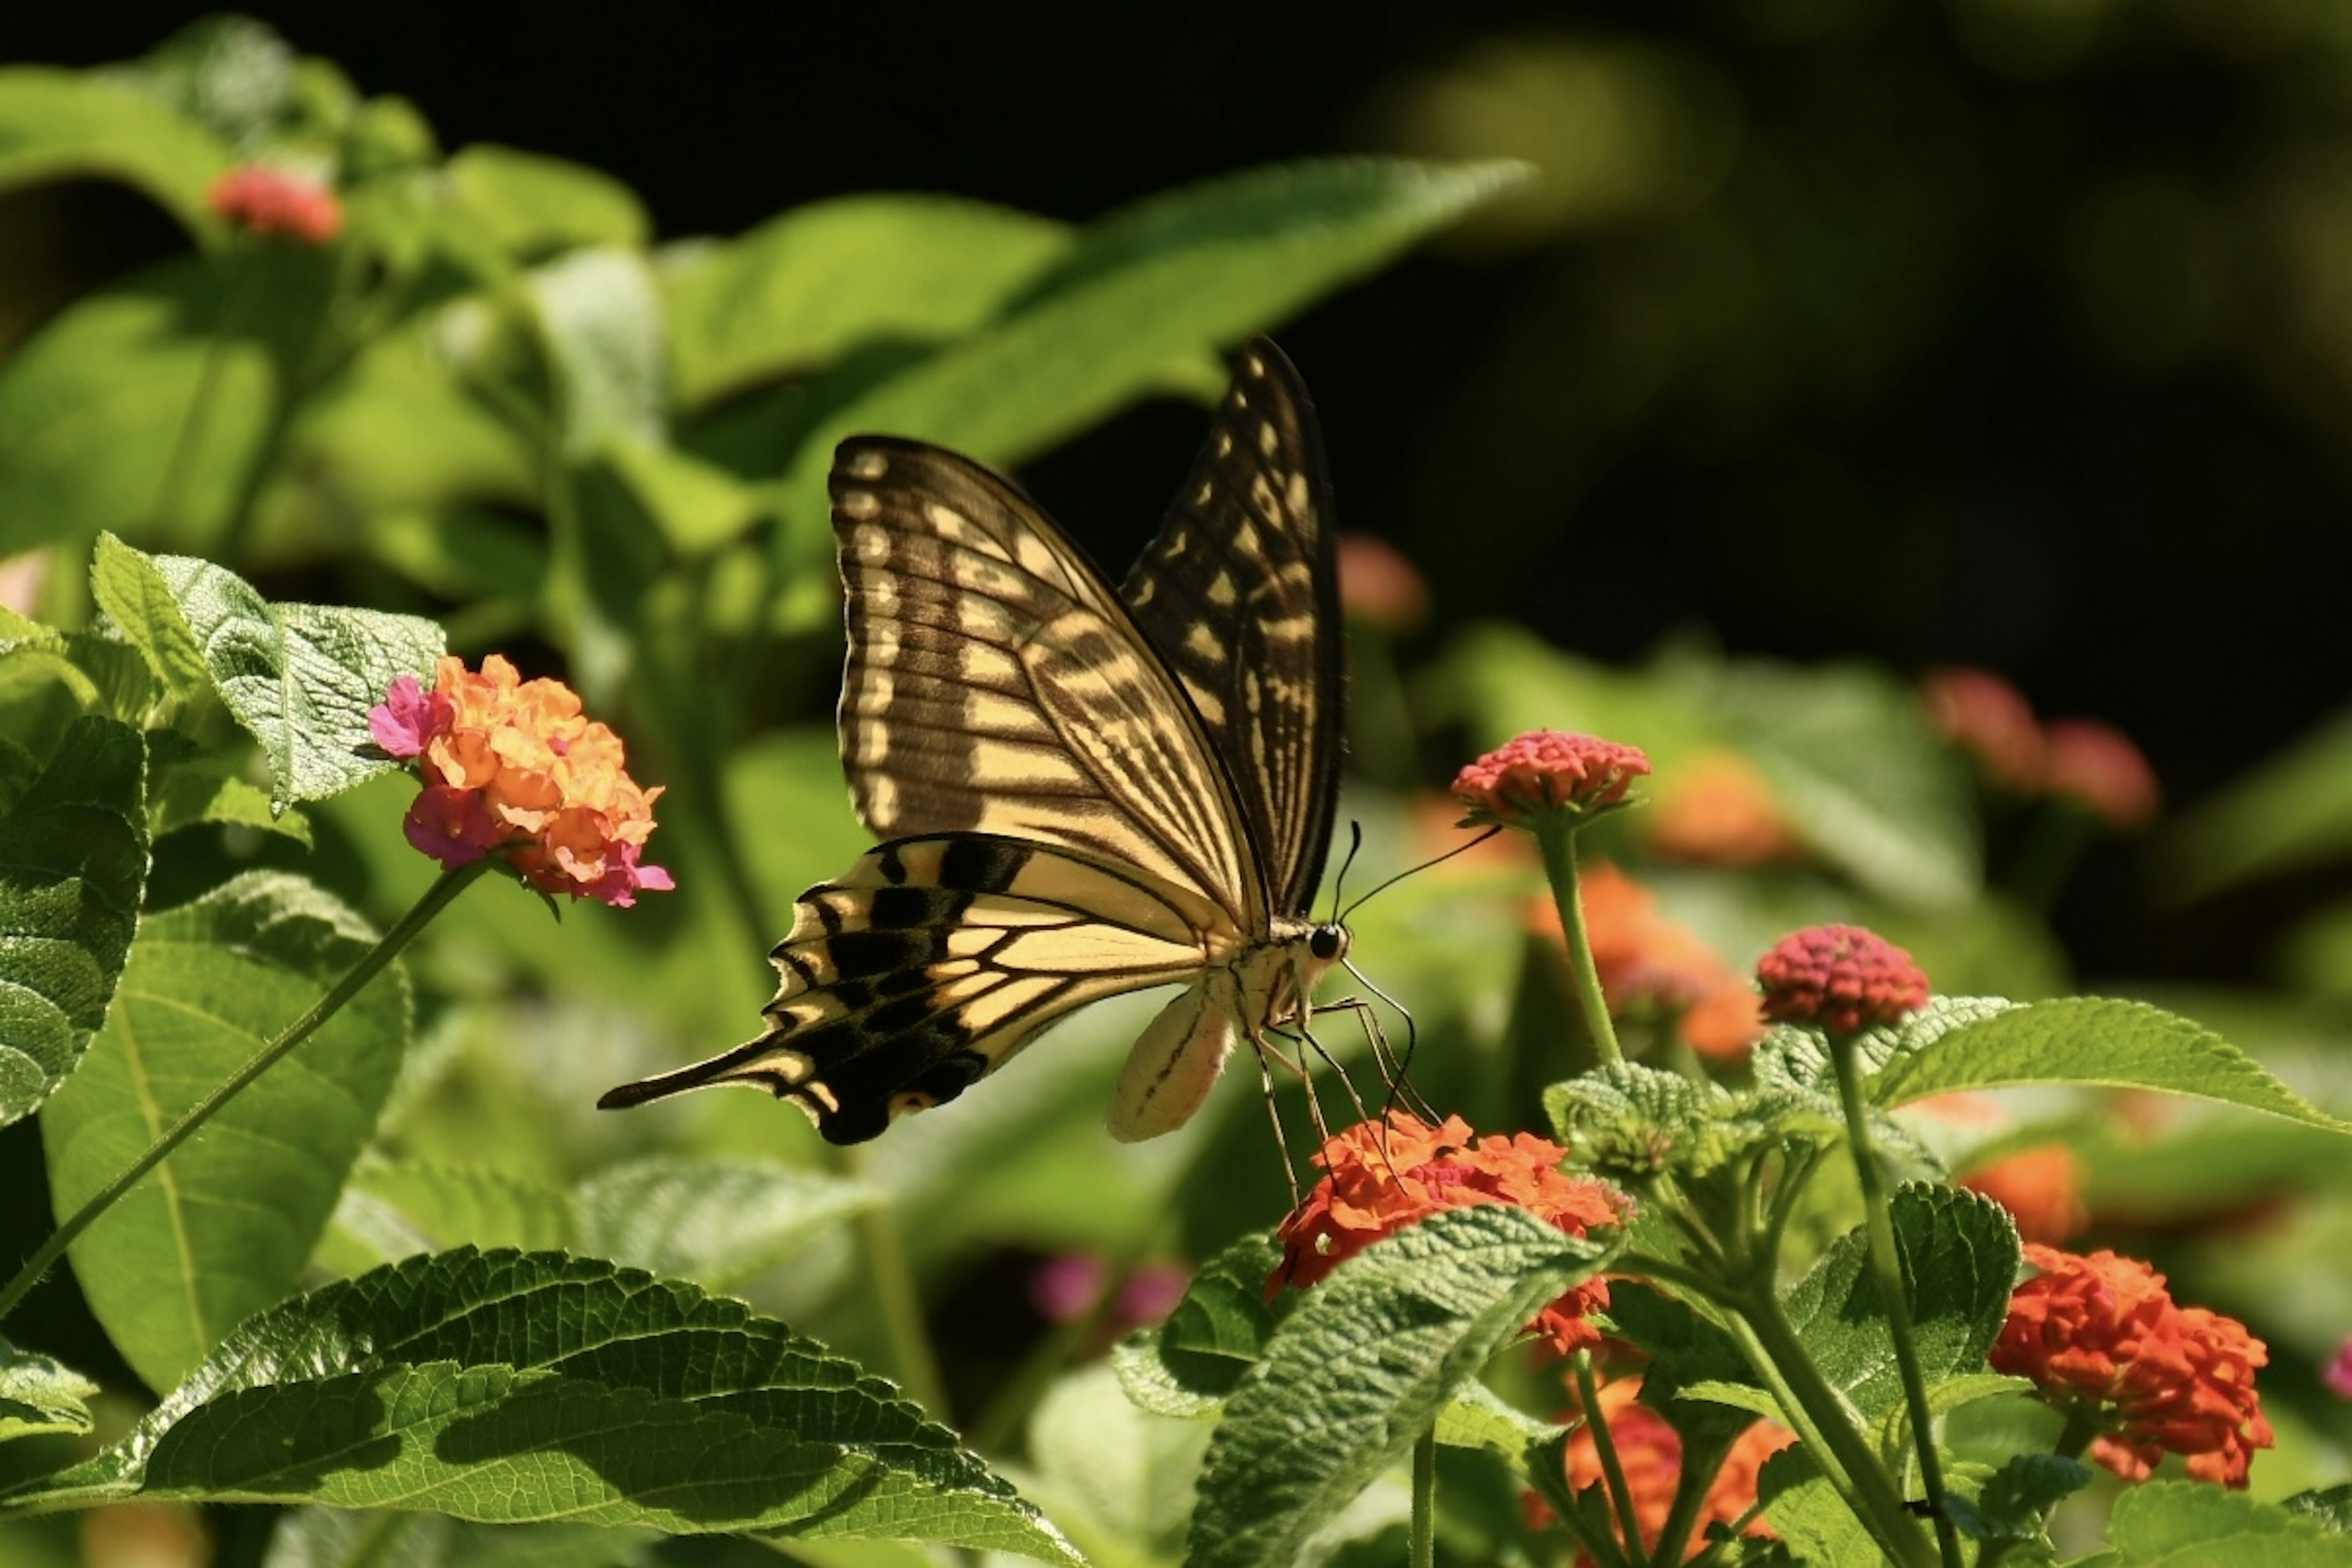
1080	791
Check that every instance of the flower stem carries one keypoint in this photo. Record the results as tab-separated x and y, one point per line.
437	897
1555	833
1886	1266
1424	1500
1612	1469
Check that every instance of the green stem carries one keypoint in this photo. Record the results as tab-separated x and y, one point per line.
437	897
1886	1266
1424	1500
1612	1470
1556	835
1826	1423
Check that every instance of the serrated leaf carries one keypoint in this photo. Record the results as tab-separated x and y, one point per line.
1139	291
225	1226
61	124
1960	1259
2017	1497
1193	1359
1365	1363
798	292
2090	1040
300	678
512	1387
40	1394
1804	1508
711	1221
124	584
73	868
2181	1525
2332	1506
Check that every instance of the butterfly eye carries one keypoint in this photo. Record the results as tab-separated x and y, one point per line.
1328	942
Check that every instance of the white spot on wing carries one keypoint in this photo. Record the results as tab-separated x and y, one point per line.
858	505
868	464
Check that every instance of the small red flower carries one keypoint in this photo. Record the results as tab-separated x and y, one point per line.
2097	766
270	201
1840	978
1384	1176
1063	1288
510	765
1544	771
1991	720
1378	586
2100	1336
2040	1188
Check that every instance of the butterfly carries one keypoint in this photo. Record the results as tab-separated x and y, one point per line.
1081	792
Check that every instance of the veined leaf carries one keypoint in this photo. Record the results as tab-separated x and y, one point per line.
225	1226
60	124
39	1394
512	1387
73	868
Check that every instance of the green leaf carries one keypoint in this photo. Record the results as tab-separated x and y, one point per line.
343	1537
73	868
2291	813
2182	1524
530	205
231	74
1365	1363
300	678
1960	1259
1125	1472
801	289
2018	1496
1138	292
225	1226
519	1387
1193	1359
67	125
1804	1507
2085	1041
125	585
2332	1506
602	325
39	1394
208	792
714	1222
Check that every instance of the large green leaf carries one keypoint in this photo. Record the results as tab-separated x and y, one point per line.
225	1226
70	125
1362	1368
2293	812
1138	293
515	1387
798	292
1970	1044
73	868
531	205
39	1394
2180	1524
300	678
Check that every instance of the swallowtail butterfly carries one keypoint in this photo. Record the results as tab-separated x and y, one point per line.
1081	791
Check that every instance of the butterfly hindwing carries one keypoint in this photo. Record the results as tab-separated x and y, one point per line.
995	684
934	959
1239	592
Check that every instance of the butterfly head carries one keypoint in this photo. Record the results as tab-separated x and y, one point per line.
1328	942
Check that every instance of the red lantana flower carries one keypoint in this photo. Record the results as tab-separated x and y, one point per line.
1383	1176
1545	771
510	765
1991	720
2097	766
1840	978
1650	1454
274	202
2041	1188
2100	1338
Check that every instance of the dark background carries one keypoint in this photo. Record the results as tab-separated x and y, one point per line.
1981	331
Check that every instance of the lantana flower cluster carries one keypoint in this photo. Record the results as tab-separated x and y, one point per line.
277	204
1544	772
1649	1455
2094	765
1840	978
511	765
2100	1338
1383	1176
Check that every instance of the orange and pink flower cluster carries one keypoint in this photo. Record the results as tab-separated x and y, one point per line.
1841	978
511	765
1547	771
277	203
2094	765
2100	1338
1383	1176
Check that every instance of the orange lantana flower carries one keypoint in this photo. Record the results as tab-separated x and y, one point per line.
1383	1176
2041	1189
1719	811
511	765
1646	960
2100	1338
1650	1452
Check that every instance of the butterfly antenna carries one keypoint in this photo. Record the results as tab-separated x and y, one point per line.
1355	842
1414	870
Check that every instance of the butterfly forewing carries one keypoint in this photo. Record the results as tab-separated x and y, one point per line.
995	685
1239	592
